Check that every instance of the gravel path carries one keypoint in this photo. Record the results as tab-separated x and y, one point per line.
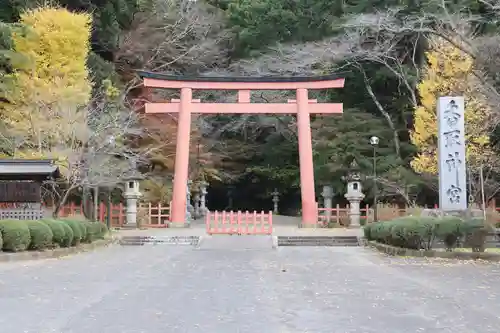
161	289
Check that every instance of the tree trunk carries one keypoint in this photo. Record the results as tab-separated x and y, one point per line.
397	145
63	200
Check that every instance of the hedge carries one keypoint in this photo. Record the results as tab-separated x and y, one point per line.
15	234
21	235
89	231
69	235
79	231
59	234
41	235
415	232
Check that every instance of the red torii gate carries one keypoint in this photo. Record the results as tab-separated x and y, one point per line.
302	106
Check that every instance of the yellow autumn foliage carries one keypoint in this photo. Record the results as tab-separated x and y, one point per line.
449	73
45	113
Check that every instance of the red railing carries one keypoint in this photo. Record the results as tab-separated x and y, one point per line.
239	223
148	215
340	215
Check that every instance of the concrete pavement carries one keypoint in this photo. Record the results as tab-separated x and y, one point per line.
161	289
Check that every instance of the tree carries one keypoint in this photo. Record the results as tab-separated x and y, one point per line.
175	36
102	152
10	60
42	109
259	23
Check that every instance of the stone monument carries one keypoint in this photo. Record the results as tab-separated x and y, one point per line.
354	194
276	199
327	195
451	154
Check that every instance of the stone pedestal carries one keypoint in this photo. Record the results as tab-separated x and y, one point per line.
203	195
131	195
276	199
196	199
327	195
189	207
354	210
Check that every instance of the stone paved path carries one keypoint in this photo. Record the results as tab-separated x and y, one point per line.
161	289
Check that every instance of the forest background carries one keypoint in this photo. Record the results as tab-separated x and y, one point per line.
69	91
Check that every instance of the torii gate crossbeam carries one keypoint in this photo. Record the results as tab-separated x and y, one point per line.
302	106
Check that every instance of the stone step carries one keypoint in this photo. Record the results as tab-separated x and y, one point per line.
318	241
159	240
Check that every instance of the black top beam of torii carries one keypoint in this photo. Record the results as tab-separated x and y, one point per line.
201	78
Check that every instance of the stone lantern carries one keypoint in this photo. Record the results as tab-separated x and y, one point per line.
196	200
203	196
131	195
189	207
276	199
354	194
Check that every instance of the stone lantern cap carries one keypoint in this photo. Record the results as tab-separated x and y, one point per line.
354	173
133	175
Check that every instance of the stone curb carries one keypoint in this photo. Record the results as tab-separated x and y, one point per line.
55	253
397	251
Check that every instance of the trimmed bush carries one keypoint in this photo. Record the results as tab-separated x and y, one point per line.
41	235
69	236
450	229
476	231
93	231
421	232
15	234
58	232
78	231
103	230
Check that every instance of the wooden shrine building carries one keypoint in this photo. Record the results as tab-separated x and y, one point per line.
20	187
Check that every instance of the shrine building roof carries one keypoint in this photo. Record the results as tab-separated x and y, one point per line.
18	169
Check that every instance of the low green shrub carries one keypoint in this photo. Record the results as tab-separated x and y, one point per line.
78	231
41	235
15	234
103	230
58	232
450	229
414	232
69	236
86	231
476	231
93	231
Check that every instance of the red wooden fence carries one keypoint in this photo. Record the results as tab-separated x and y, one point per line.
157	216
239	223
148	215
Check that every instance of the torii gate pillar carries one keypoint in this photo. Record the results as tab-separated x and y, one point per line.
181	168
302	106
307	194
